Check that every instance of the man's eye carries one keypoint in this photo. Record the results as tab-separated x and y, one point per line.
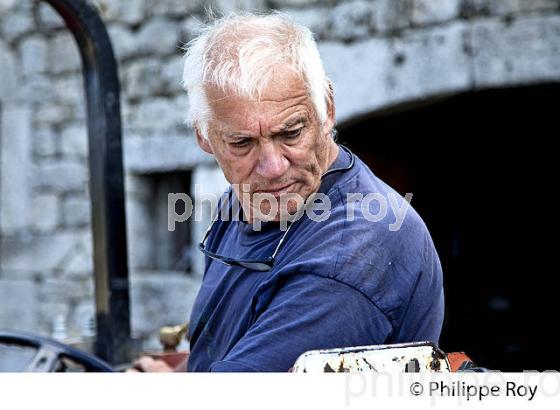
241	143
293	134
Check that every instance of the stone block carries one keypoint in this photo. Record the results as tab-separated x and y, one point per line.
76	211
124	42
19	305
8	79
523	52
44	142
33	53
507	7
292	3
48	18
156	116
351	20
48	114
172	73
74	141
152	77
161	299
130	11
41	254
429	62
63	55
435	11
156	154
357	71
7	6
179	7
391	15
315	19
15	164
61	176
69	90
15	25
159	37
45	212
226	7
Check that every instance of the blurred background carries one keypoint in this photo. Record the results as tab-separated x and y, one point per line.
455	101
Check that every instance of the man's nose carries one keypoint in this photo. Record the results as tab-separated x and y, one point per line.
272	162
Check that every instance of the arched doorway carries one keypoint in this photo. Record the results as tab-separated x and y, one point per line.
480	168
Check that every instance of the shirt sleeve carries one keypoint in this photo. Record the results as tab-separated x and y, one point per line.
307	312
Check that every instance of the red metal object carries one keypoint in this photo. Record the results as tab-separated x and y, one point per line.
173	359
459	361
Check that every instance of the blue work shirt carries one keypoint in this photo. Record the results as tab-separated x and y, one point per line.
336	283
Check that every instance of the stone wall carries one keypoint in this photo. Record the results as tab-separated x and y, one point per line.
379	53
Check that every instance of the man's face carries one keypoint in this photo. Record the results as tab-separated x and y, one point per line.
275	146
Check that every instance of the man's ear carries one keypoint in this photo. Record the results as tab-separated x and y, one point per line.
203	142
330	120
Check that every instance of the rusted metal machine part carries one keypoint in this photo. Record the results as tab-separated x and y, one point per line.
406	357
170	336
110	265
459	361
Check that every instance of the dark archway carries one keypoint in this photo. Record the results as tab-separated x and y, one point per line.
480	167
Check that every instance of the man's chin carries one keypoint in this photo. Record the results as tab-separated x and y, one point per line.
264	214
276	208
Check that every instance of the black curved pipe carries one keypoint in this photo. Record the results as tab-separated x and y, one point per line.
108	222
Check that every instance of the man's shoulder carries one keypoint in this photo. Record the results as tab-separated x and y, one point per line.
372	239
362	205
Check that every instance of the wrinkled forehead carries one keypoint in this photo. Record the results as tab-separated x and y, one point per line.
285	97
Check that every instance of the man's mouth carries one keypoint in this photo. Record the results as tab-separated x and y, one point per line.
275	190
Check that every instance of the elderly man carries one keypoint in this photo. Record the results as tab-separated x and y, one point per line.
261	104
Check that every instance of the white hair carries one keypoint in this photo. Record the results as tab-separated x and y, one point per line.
238	53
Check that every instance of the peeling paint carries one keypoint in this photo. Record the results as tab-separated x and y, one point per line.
404	357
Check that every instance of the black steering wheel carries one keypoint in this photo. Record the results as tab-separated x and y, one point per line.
51	354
